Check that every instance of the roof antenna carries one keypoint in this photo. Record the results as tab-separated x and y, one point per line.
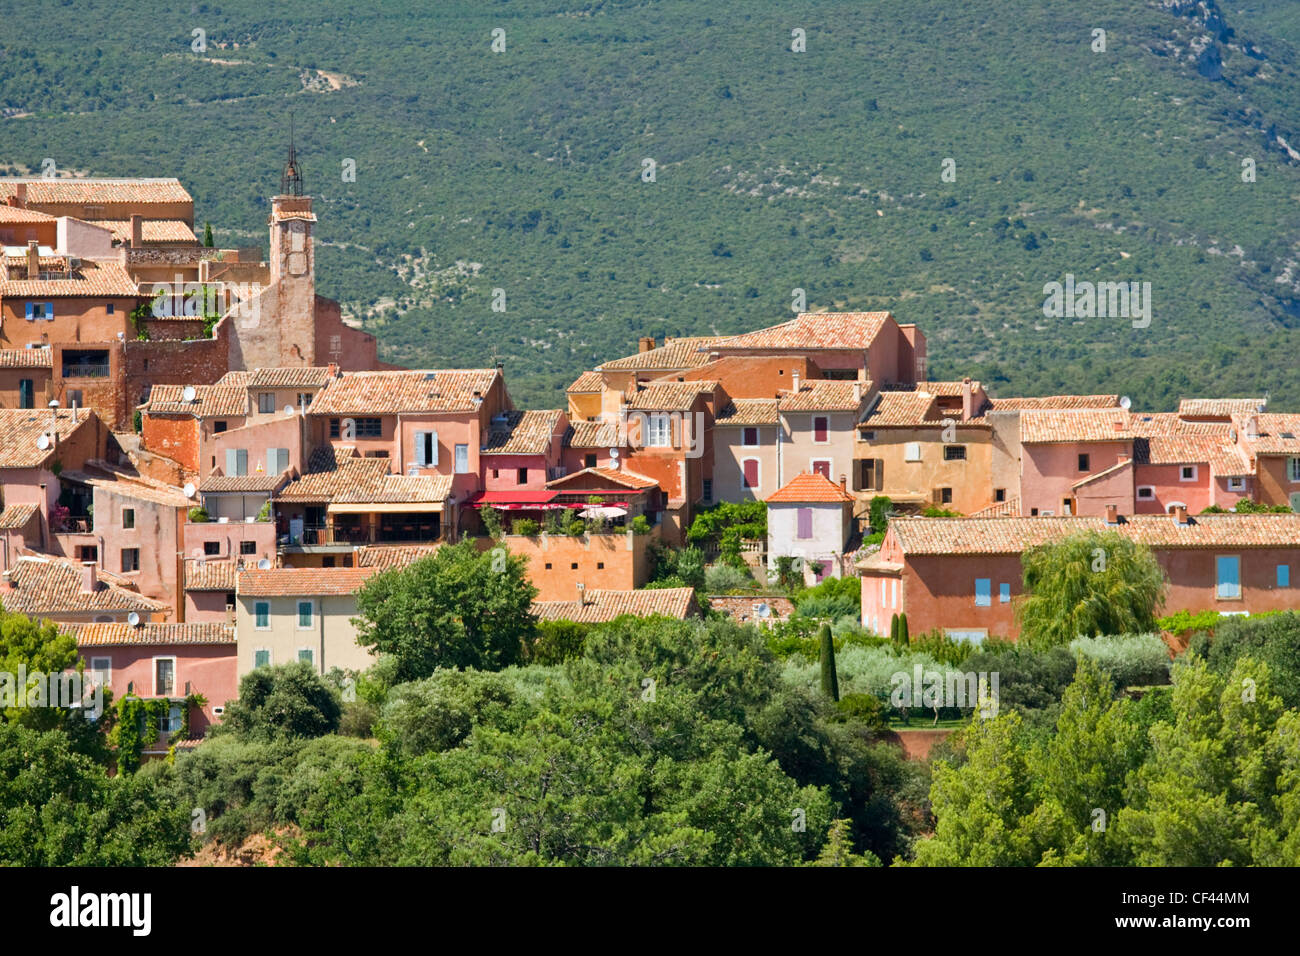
291	178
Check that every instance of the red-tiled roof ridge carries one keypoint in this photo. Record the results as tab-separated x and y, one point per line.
809	487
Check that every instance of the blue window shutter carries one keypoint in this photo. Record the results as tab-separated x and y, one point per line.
49	311
30	307
1284	575
1004	593
983	592
232	463
1228	577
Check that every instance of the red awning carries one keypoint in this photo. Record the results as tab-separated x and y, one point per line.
511	500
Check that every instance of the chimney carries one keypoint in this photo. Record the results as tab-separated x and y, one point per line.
967	400
582	594
844	484
33	259
1252	428
333	370
857	391
646	344
89	576
1112	514
1180	514
20	195
137	231
6	582
794	380
501	369
862	374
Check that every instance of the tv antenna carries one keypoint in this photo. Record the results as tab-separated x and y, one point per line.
291	178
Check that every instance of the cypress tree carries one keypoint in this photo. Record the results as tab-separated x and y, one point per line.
830	684
207	235
903	637
893	629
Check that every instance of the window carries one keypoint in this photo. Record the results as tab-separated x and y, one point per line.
236	462
1284	575
912	451
40	310
589	461
277	460
1146	492
170	722
1293	469
128	518
954	452
873	473
600	565
822	466
945	496
75	399
462	459
426	449
85	363
266	403
707	489
262	615
218	427
1084	462
1236	484
262	658
868	436
327	561
749	437
130	559
1004	592
334	428
369	427
26	393
522	476
104	667
821	429
573	566
164	676
983	592
304	399
211	548
1187	473
304	614
805	518
111	308
1227	576
750	476
248	547
305	656
999	494
658	432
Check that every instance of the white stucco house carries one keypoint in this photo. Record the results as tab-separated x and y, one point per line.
809	517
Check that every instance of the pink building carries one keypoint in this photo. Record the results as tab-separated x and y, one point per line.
168	661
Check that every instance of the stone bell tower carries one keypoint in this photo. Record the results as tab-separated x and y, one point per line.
293	267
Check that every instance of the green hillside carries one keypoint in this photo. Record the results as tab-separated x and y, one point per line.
821	170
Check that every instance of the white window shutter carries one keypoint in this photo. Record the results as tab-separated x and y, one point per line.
433	448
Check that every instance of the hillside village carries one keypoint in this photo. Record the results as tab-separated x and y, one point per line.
202	464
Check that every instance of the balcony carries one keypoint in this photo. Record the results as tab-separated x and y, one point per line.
423	529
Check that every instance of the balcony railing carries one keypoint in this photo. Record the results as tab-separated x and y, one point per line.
86	370
395	533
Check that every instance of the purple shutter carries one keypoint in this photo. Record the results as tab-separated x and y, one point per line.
805	522
751	472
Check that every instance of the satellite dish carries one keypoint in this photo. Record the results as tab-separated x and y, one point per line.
43	442
54	403
1126	402
288	410
264	564
763	611
189	393
613	453
133	619
189	489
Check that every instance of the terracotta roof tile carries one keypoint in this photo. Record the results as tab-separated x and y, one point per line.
620	476
42	191
813	331
592	435
824	395
670	396
600	606
16	517
1277	434
151	230
27	358
289	582
145	490
677	354
1228	461
999	509
902	410
94	278
210	401
748	411
1054	401
210	576
307	376
1075	425
50	586
809	488
1114	469
588	382
522	433
12	214
387	393
217	483
333	477
22	428
1220	407
110	635
389	556
1013	535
